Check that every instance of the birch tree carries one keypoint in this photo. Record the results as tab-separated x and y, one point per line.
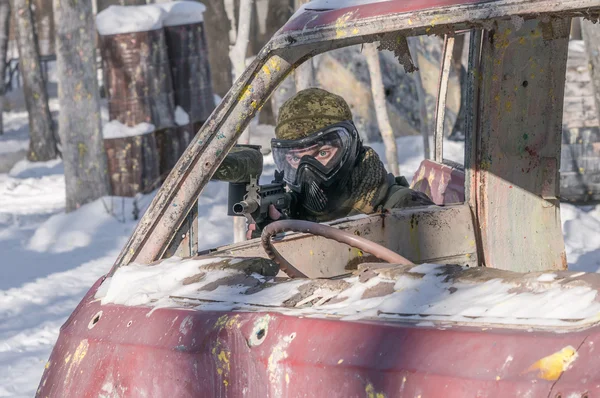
79	123
4	29
42	145
380	102
591	38
217	25
237	54
414	47
304	75
104	4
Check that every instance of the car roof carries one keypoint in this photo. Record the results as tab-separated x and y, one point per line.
323	20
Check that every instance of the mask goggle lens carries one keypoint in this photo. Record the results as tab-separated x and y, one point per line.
325	150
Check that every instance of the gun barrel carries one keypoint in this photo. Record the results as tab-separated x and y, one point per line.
245	207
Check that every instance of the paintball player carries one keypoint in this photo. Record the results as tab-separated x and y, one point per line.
330	173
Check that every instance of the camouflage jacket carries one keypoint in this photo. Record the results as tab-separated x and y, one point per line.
398	195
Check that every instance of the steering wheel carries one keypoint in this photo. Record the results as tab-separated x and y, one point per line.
325	231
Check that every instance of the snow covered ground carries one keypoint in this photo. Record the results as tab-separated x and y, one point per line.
49	259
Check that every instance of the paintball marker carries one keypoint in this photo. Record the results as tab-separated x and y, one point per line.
256	199
242	169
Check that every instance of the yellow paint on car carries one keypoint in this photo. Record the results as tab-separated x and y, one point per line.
552	366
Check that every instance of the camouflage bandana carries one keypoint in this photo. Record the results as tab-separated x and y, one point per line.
368	183
365	190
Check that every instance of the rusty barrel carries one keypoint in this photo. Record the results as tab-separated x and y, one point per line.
138	78
133	162
188	57
171	144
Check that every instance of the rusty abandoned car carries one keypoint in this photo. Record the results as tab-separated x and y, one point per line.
468	297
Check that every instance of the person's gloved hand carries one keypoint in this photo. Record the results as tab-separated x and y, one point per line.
254	232
274	214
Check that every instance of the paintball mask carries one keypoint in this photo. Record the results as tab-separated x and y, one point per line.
317	167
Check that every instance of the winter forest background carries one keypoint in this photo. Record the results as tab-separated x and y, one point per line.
63	220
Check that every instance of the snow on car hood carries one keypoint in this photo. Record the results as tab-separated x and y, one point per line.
427	294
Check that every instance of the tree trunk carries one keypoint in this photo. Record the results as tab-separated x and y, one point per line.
304	74
237	55
576	29
42	145
4	31
79	119
217	26
104	4
458	130
278	12
421	95
380	102
591	37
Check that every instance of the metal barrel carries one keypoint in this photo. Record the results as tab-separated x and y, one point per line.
171	143
133	166
190	70
137	76
245	207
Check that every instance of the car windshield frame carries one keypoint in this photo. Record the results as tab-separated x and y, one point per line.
171	207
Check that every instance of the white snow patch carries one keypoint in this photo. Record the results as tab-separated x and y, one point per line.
26	169
129	19
141	285
576	46
217	99
32	188
116	129
495	301
182	12
66	232
425	324
581	230
546	277
9	146
181	116
410	153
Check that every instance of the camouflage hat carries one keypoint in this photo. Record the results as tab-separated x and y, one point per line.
309	111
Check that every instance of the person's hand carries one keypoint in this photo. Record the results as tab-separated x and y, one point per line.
251	229
274	214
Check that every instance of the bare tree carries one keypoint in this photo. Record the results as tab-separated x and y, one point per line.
79	120
380	102
42	145
103	4
237	54
217	27
304	74
414	46
4	29
591	37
